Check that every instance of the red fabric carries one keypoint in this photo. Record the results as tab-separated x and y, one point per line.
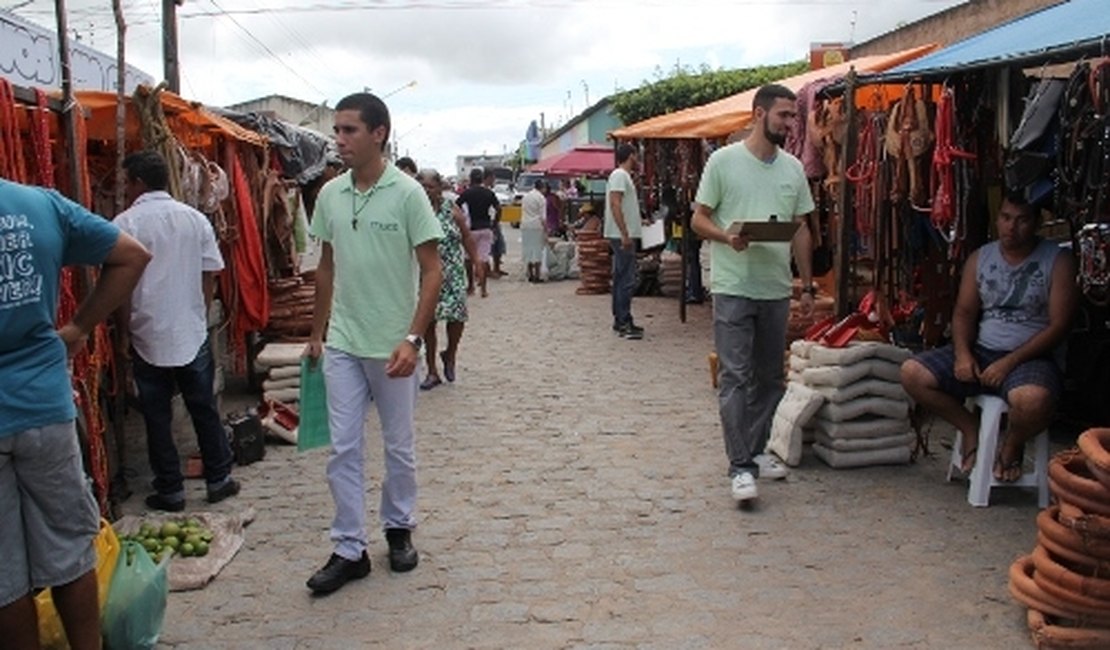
586	160
12	165
253	311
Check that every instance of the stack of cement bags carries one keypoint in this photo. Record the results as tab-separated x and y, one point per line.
863	416
282	362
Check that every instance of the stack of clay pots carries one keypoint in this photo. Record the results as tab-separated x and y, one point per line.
594	263
1065	582
864	419
291	304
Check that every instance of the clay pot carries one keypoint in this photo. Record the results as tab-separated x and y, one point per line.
1026	591
1049	636
1089	595
1074	517
1095	445
1092	550
1071	480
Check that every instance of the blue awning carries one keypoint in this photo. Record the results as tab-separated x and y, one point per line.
1055	34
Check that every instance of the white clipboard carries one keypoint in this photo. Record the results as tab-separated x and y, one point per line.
765	231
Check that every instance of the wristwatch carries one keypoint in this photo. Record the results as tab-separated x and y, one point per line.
416	341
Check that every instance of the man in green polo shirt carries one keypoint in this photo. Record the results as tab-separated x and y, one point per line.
372	221
754	180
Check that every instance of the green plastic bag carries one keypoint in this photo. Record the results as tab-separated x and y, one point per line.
136	604
312	431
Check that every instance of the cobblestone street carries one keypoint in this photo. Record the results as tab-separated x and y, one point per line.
574	495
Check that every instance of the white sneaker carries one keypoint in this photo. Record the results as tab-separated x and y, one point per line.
770	467
743	487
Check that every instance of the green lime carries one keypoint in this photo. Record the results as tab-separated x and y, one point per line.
170	529
187	549
201	549
150	544
195	523
192	539
171	543
207	535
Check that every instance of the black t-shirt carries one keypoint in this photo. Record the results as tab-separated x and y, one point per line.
482	205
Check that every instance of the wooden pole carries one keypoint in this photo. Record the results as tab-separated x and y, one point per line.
121	102
169	46
69	124
847	219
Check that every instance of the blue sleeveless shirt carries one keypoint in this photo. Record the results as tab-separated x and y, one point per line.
1014	297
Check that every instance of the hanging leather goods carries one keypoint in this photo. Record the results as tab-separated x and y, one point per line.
863	173
12	165
1094	262
945	155
907	139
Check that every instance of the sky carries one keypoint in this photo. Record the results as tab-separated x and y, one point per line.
467	76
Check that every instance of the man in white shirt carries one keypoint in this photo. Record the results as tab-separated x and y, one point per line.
167	321
533	238
622	228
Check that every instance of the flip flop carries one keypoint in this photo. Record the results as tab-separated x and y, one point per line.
448	368
430	382
1009	472
968	459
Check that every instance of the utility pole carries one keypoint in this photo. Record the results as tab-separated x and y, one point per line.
69	122
170	61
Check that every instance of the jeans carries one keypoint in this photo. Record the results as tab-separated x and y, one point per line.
750	337
624	281
156	387
351	382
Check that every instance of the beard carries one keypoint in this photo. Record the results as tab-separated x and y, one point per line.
778	139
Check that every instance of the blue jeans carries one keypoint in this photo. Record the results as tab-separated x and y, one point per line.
750	337
156	387
624	281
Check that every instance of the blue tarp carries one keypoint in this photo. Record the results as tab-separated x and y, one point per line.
1054	34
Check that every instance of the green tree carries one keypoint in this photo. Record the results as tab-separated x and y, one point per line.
685	87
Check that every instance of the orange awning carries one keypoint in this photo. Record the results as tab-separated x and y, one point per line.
720	118
191	123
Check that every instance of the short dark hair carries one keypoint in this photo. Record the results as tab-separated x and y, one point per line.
149	167
476	176
407	164
371	110
539	184
766	95
1018	199
487	174
624	151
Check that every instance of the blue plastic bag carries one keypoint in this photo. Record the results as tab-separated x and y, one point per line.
312	430
136	605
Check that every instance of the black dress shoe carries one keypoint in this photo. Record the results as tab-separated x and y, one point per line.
402	554
337	572
159	502
228	489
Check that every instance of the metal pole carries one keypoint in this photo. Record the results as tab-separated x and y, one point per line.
844	205
169	46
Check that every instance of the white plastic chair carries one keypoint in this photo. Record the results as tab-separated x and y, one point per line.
982	475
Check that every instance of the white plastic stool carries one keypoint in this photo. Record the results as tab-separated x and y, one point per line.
982	475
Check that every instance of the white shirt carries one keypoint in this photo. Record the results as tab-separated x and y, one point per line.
169	321
533	209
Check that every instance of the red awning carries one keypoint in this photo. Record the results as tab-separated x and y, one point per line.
588	160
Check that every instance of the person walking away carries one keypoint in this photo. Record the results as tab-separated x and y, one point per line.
451	307
379	247
751	282
165	328
497	250
533	238
48	514
407	165
622	229
481	204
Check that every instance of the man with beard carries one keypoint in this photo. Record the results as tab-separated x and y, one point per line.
1013	311
754	180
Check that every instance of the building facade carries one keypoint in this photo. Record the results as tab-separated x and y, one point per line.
317	117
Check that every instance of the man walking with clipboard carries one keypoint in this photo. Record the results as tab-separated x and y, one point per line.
754	180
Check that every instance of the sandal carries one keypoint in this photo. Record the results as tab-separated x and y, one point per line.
1009	471
448	368
968	459
430	382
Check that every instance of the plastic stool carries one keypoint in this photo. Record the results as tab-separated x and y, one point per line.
982	475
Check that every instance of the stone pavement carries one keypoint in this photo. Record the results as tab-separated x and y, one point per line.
573	495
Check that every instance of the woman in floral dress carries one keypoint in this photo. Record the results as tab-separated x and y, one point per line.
451	307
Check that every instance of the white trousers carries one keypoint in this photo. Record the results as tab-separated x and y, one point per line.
352	383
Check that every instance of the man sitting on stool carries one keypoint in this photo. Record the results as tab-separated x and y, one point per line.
1013	309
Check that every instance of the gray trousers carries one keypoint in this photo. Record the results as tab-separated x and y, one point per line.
750	336
351	381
